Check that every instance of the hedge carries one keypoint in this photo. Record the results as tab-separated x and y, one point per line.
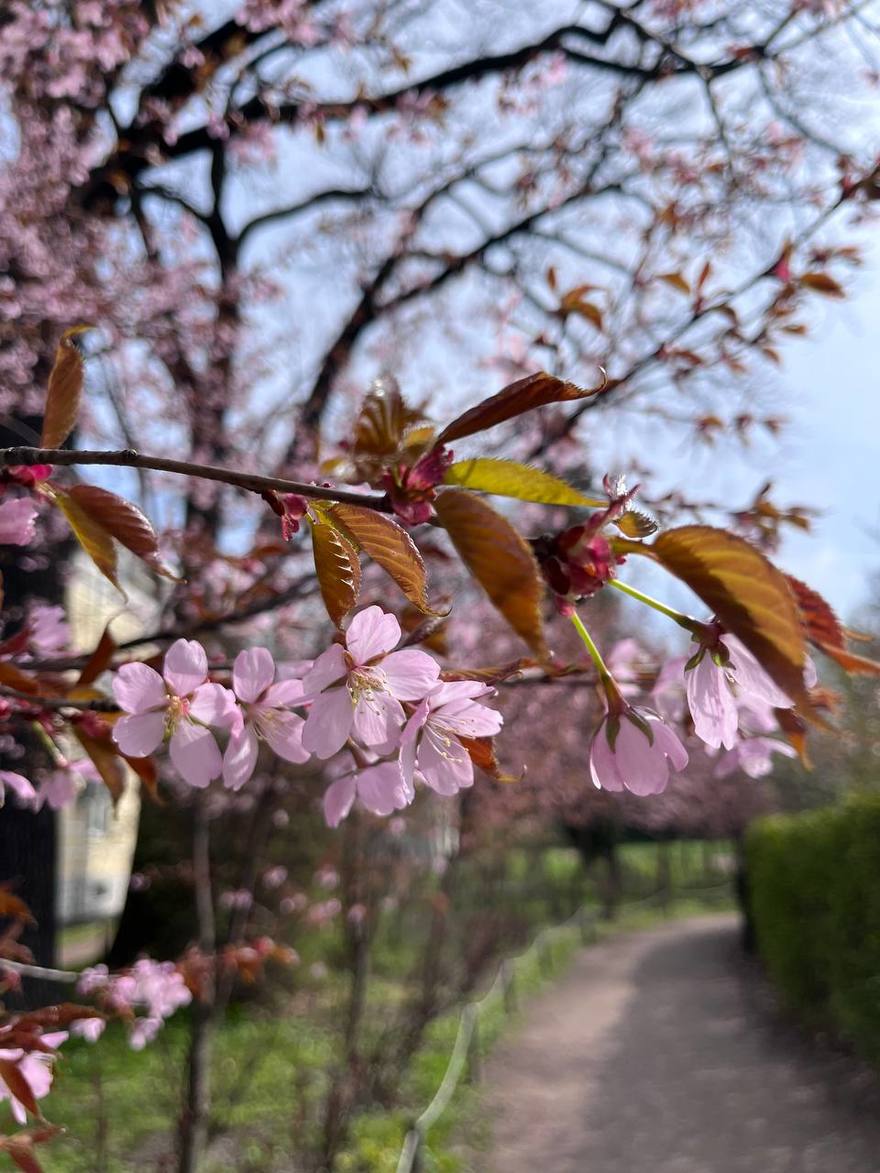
814	895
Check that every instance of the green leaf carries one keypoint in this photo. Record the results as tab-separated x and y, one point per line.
388	545
65	391
337	566
751	598
508	478
524	395
500	560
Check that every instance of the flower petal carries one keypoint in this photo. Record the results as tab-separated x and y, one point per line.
642	766
751	677
329	723
668	740
18	784
444	763
371	633
382	788
712	704
240	758
282	694
329	667
212	704
338	799
410	674
186	666
603	764
284	734
252	673
138	688
139	735
195	754
377	718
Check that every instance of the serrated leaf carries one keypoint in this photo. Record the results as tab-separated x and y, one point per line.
383	417
500	560
390	546
635	523
124	522
91	535
338	568
65	391
824	630
514	400
509	478
750	597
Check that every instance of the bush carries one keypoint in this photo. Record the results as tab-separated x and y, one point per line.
814	891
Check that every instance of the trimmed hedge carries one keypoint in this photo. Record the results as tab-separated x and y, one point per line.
814	894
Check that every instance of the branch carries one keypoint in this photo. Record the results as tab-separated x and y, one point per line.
252	482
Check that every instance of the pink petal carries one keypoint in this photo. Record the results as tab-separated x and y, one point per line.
411	674
338	799
140	735
138	688
18	784
371	633
382	789
712	704
603	763
329	667
195	754
642	766
282	694
409	740
667	739
751	677
186	666
240	758
252	673
445	764
469	719
17	520
377	718
329	723
212	704
450	691
284	734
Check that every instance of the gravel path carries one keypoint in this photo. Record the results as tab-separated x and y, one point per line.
660	1052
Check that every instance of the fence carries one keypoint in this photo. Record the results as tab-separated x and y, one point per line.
465	1054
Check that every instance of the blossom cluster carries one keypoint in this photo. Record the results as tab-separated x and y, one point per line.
401	723
155	987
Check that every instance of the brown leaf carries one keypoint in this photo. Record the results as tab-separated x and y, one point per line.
124	522
14	907
100	659
823	283
383	418
65	391
337	566
389	545
21	681
481	751
11	1075
106	760
500	560
145	768
524	395
676	281
824	630
750	597
91	535
57	1017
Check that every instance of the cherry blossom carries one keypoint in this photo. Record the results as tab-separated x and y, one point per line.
753	755
634	751
18	784
358	689
36	1068
430	745
17	522
380	788
182	704
263	714
157	986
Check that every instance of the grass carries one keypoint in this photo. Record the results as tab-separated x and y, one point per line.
270	1069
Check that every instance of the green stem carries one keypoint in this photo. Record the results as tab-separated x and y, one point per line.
686	621
595	654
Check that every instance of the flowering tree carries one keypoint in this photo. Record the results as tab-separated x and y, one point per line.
442	208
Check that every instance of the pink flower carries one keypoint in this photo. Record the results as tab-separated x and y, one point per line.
710	694
56	790
634	751
34	1067
380	788
17	522
182	703
18	784
753	756
366	704
48	632
263	715
89	1029
430	742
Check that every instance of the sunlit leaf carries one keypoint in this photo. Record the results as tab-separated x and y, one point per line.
824	630
124	522
524	395
500	560
91	535
383	418
481	751
65	390
750	597
508	478
337	566
100	659
389	546
635	523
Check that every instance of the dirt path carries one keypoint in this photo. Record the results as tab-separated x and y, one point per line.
659	1053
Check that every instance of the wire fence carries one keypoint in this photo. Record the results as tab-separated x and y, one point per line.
465	1056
